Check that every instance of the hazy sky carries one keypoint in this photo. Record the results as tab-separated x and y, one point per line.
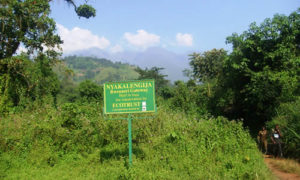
177	25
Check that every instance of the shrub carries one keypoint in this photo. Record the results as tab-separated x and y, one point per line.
288	116
47	142
90	91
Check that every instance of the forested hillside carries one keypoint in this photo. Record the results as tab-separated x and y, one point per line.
99	70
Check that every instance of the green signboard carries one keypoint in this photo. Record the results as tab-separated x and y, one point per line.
129	97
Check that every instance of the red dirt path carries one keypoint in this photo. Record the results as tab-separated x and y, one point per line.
280	174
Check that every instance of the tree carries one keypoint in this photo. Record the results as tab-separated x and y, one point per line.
153	73
90	91
263	69
23	80
187	97
27	23
207	66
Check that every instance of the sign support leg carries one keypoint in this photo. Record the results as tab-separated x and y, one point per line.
129	140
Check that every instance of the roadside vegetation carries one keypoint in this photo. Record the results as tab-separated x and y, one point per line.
46	142
52	125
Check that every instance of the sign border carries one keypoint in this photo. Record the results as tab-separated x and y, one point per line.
104	97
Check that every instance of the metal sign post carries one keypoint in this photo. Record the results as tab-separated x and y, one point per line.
129	97
129	140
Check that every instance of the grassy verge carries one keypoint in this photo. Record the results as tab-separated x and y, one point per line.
75	142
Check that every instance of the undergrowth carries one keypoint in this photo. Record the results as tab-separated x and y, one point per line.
75	141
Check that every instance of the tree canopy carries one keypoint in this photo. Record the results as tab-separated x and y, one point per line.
208	65
26	23
154	73
262	71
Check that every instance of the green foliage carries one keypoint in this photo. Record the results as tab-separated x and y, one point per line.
187	97
99	70
261	72
184	97
86	91
47	142
28	23
167	92
208	65
90	91
86	11
287	117
263	69
153	73
23	81
83	10
182	141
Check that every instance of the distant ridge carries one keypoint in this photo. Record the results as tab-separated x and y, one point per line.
99	70
173	63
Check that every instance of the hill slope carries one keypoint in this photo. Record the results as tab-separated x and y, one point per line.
173	63
99	70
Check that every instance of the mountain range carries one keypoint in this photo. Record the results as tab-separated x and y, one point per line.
172	63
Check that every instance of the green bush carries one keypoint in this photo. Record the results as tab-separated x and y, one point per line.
24	81
90	91
187	97
288	118
47	142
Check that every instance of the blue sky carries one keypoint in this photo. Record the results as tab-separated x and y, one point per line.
176	25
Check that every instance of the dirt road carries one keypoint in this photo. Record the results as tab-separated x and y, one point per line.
279	173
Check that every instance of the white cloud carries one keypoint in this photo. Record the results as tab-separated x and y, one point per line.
142	39
184	39
78	39
117	48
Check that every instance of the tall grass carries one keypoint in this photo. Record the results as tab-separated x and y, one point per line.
75	141
287	117
287	165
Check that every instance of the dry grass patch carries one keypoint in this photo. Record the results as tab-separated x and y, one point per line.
287	165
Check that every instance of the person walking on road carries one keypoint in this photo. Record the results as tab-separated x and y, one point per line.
262	140
276	139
